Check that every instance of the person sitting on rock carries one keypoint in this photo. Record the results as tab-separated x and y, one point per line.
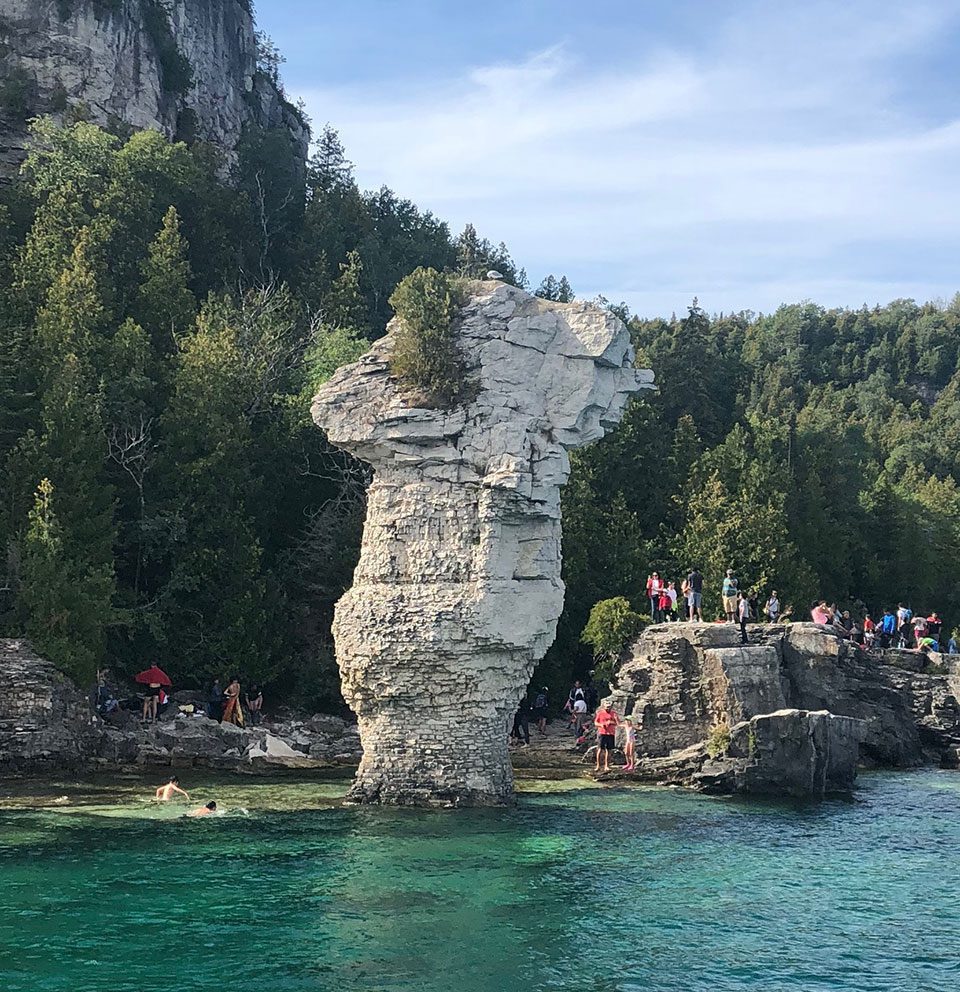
166	792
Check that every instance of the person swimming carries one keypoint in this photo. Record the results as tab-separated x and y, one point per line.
207	810
165	792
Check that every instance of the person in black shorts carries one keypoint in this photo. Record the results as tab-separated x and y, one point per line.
606	721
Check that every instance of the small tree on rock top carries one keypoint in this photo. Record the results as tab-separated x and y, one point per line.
611	626
426	358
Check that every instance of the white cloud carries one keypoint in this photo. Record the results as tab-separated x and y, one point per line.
777	145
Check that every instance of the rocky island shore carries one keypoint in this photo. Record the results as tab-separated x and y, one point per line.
796	713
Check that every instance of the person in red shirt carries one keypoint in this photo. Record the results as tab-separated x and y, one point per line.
607	722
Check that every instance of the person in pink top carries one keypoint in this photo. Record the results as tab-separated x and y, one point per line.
607	722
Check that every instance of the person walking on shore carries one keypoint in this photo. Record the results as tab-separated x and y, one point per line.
629	743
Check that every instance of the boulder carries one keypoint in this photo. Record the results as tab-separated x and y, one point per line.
791	752
457	592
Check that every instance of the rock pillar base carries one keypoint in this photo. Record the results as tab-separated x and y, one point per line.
455	761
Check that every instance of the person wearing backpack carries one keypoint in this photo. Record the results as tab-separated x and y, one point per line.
541	704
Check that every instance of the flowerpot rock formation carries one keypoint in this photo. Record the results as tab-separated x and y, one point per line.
457	592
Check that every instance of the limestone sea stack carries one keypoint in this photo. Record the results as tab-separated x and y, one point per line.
457	592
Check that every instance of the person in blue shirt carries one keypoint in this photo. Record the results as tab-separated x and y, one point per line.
952	643
888	627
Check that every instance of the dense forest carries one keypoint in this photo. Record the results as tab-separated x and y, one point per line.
166	498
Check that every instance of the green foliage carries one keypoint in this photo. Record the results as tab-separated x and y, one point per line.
718	741
611	627
558	290
18	94
426	357
66	606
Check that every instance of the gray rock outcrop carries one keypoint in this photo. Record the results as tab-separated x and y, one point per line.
796	753
47	725
43	717
679	682
124	65
457	592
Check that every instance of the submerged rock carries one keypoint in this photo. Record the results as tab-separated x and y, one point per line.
457	593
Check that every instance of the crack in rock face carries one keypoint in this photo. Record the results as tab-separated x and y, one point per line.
457	592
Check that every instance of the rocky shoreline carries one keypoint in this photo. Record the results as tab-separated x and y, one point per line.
46	724
794	713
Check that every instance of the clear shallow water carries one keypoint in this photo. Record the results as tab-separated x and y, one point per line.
591	890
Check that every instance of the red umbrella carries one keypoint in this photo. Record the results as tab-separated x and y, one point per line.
154	676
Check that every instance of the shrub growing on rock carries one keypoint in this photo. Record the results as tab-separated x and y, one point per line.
426	358
612	625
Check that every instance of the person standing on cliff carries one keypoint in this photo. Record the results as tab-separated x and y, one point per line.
695	594
744	614
729	592
606	722
654	587
888	627
772	609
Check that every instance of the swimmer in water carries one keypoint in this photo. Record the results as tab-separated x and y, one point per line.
165	792
207	810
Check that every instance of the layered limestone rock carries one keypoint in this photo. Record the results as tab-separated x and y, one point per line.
457	593
121	62
789	752
681	681
43	717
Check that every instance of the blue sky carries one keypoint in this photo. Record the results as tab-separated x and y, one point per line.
748	153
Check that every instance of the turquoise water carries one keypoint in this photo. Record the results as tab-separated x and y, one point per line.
591	890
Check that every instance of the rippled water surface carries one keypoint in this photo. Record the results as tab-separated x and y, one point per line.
580	889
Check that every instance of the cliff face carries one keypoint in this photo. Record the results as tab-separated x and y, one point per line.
187	68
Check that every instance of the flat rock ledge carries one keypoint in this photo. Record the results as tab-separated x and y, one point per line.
457	592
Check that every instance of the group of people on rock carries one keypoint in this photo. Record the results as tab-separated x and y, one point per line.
740	606
900	628
224	704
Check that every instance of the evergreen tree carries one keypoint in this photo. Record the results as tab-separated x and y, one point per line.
166	307
65	601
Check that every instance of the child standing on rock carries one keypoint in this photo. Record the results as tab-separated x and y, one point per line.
629	743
